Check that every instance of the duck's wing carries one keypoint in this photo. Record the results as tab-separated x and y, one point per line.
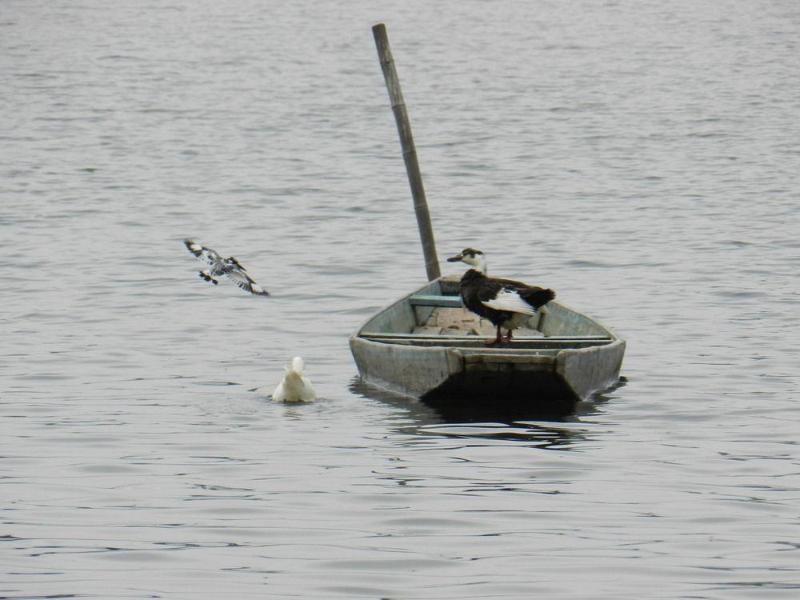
308	394
207	255
514	296
536	296
508	299
237	274
279	395
499	282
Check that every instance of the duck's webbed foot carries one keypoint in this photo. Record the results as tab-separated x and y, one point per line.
497	340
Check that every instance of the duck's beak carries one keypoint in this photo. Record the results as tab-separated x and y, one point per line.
456	258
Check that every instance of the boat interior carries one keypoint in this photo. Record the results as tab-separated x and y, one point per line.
435	316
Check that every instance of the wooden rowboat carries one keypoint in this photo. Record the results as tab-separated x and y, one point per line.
427	346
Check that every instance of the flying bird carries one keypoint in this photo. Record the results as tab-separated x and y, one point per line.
230	267
506	303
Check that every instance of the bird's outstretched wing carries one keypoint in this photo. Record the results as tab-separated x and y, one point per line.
207	255
238	275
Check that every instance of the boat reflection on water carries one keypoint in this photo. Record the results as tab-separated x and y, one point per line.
489	422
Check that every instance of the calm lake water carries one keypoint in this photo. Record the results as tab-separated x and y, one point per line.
639	157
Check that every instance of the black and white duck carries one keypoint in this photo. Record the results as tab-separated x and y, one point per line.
230	267
506	303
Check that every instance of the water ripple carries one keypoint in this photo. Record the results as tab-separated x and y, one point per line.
638	157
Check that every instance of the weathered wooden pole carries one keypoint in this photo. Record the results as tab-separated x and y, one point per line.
409	151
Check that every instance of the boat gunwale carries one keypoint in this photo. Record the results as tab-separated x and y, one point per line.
478	345
363	335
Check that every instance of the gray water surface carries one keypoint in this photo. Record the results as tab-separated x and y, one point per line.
639	157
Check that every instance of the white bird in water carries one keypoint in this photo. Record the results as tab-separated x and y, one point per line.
230	267
295	386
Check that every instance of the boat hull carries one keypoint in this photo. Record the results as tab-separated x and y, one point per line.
454	379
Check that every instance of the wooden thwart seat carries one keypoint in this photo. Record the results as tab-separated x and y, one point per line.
436	300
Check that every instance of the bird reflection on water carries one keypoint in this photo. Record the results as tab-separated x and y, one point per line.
563	433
